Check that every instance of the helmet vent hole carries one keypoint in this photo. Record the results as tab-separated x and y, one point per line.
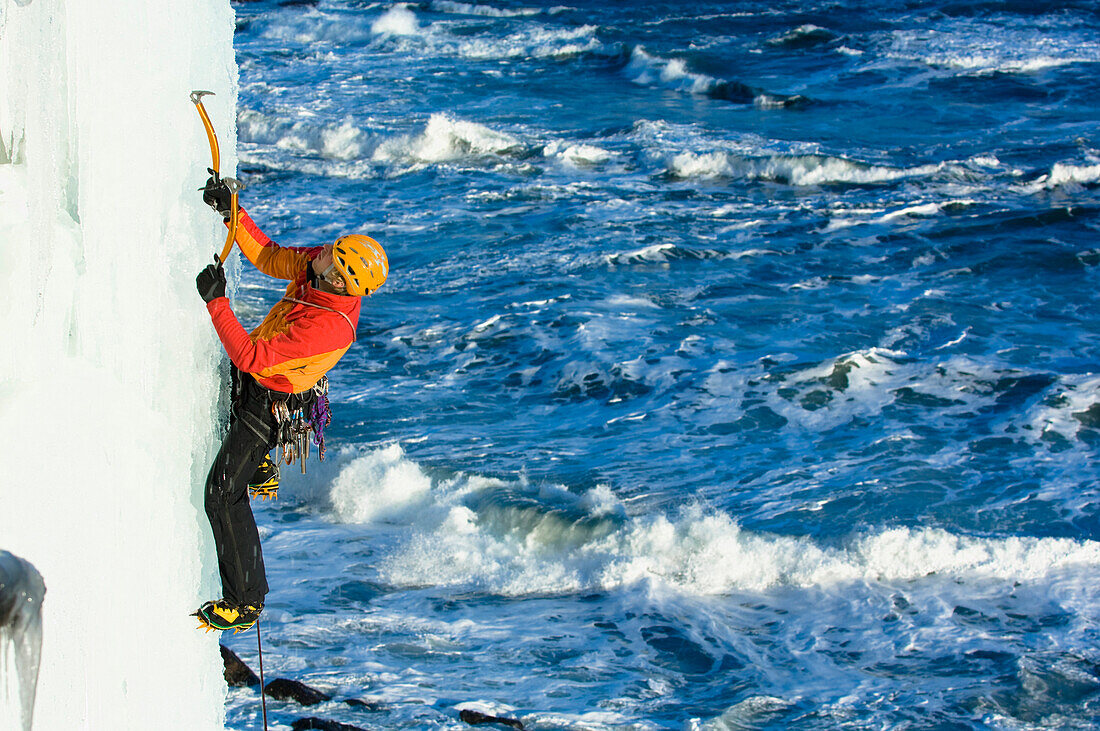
351	271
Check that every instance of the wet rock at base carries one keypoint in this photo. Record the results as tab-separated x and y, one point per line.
477	718
237	674
365	705
282	689
320	724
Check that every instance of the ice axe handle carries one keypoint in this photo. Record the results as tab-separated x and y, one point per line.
235	187
196	99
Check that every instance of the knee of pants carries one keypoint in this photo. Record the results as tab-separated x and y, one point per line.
216	496
228	481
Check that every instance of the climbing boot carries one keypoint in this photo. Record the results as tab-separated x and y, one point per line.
221	615
265	483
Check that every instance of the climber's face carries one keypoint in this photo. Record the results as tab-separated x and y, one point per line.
325	266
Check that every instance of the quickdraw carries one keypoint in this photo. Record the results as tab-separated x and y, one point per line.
319	414
294	428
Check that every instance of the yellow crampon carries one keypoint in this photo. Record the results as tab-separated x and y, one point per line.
265	491
204	625
222	616
265	483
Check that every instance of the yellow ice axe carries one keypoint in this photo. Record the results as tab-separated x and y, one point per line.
196	99
233	184
234	187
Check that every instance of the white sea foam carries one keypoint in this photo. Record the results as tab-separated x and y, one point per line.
315	28
654	253
529	42
666	252
343	141
397	21
1069	406
702	165
803	34
758	711
378	485
576	155
981	47
988	62
448	6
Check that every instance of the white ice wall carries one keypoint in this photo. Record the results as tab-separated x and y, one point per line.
109	366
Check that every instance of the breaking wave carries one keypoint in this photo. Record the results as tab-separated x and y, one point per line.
515	539
344	141
905	214
1063	174
804	36
649	70
797	170
488	11
445	139
668	252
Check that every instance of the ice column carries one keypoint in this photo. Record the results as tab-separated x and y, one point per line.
110	373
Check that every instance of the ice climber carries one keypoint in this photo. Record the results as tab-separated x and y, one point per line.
278	376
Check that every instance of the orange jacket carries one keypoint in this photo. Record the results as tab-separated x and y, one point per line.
296	343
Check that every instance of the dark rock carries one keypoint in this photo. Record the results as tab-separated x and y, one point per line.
237	674
1090	417
282	689
365	705
321	724
476	718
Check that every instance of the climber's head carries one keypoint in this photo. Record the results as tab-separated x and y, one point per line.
354	265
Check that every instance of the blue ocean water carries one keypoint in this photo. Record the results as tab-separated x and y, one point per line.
739	365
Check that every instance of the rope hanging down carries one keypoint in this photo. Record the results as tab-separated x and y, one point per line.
260	653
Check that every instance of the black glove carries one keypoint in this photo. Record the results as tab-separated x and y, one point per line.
211	282
217	195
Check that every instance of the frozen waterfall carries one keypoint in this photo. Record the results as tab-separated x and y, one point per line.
109	374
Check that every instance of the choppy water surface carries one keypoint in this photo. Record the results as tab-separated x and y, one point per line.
739	365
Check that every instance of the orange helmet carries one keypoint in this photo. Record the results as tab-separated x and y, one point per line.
362	262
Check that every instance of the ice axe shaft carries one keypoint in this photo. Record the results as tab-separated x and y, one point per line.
215	155
234	213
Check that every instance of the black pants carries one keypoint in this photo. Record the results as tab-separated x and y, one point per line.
252	434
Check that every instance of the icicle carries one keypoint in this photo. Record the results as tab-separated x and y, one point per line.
21	593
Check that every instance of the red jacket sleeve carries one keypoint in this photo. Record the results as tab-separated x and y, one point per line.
281	262
242	351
